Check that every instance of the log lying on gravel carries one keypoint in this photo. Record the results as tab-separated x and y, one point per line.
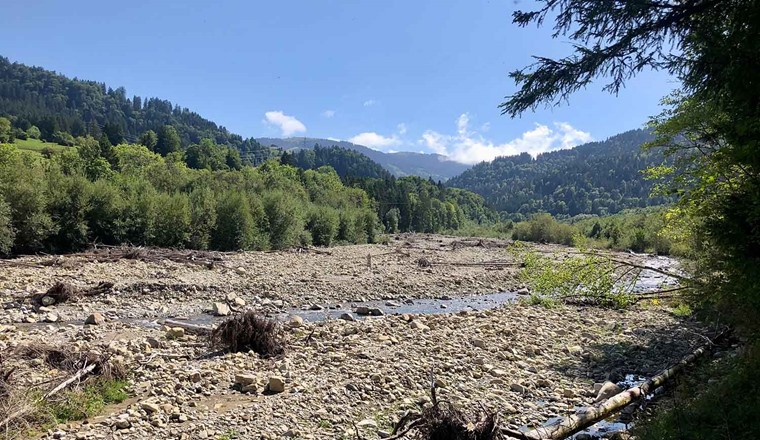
575	423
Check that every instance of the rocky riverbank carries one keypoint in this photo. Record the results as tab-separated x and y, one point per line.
337	376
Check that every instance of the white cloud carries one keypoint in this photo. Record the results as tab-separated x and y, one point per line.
401	128
287	124
470	147
328	113
375	141
369	103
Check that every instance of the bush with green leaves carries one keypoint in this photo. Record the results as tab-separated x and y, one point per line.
322	222
235	225
68	205
22	186
105	218
7	234
588	278
171	223
285	219
202	217
543	228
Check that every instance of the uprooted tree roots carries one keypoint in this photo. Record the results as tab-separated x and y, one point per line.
62	292
249	331
442	421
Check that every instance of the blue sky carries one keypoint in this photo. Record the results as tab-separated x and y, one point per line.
421	75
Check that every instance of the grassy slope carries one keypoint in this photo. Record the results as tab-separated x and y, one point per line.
37	145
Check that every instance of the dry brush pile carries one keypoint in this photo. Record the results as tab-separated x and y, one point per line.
27	407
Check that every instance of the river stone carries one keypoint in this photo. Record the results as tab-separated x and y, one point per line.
517	388
276	384
51	317
347	317
245	379
47	300
221	309
296	321
150	408
96	318
364	311
498	372
175	332
367	423
417	325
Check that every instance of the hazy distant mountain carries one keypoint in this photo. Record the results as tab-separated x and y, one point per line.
400	164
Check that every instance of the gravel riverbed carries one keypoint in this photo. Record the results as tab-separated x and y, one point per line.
527	362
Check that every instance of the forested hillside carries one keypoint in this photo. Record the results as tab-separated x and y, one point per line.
400	164
347	163
65	201
62	108
407	203
596	178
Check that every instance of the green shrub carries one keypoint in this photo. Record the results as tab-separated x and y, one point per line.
284	218
171	224
22	186
235	227
370	224
104	218
202	217
87	402
139	208
7	234
323	223
69	203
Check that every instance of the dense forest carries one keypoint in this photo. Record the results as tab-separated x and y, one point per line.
404	204
598	178
61	109
203	197
400	163
347	163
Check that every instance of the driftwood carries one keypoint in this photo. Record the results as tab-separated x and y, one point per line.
481	242
190	328
76	377
572	424
109	254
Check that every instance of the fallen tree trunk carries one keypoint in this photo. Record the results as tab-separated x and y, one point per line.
575	423
190	328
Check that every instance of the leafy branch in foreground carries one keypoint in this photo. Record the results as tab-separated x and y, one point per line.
588	278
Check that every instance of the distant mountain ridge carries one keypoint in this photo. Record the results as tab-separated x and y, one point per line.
597	178
400	164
